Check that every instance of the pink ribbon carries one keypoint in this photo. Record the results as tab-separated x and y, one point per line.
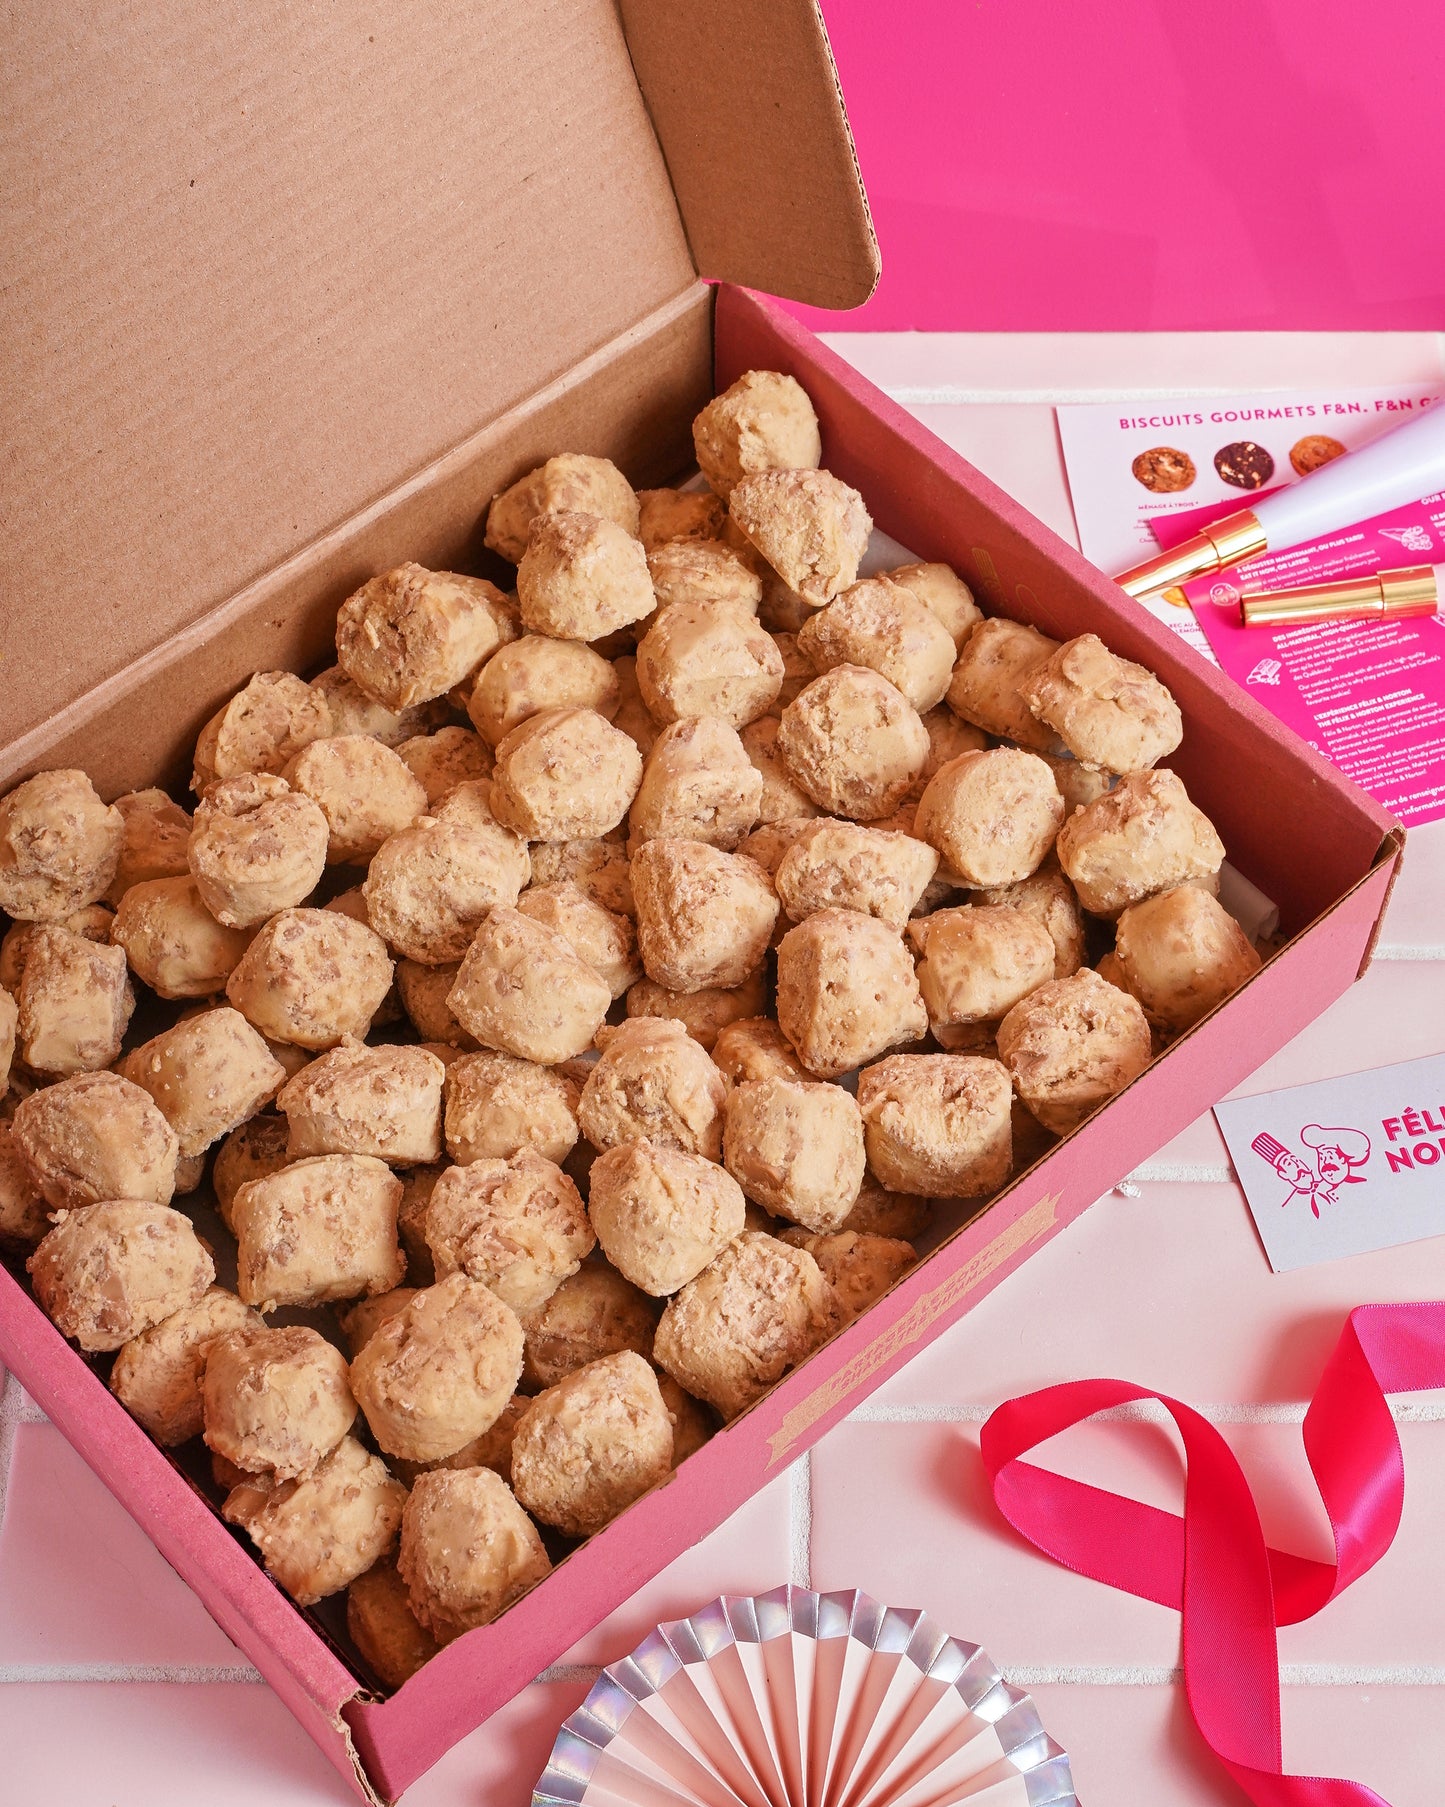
1213	1565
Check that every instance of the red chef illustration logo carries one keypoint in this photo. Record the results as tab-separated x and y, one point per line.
1337	1153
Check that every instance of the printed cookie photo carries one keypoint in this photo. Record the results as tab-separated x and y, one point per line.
1244	464
1315	449
1164	469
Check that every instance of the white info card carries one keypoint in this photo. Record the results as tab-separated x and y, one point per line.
1345	1165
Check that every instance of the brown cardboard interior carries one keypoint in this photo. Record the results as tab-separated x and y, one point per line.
266	265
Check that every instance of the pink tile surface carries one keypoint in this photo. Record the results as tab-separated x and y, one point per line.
1168	1288
1155	1289
946	1548
750	1553
1137	1747
81	1583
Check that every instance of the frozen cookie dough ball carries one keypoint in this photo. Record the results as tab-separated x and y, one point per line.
208	1075
417	1186
411	634
846	991
944	593
1181	953
24	1214
662	1215
899	1216
59	846
668	515
733	1332
859	1267
493	1449
693	1423
256	847
582	577
592	1314
361	1321
653	1083
1144	836
93	1137
596	864
853	742
704	918
603	939
705	572
938	1124
498	1105
796	1149
156	832
1111	714
697	659
763	422
385	1102
429	886
75	1003
976	963
364	789
698	784
993	816
173	942
1071	1046
468	1550
252	1152
321	1229
780	799
812	529
109	1271
157	1375
844	866
572	482
423	991
1047	897
880	624
565	775
317	1535
705	1013
518	1226
354	712
755	1048
311	977
996	660
440	762
947	738
439	1373
521	990
588	1447
261	729
537	674
390	1637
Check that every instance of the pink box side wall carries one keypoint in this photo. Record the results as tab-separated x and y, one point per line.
934	501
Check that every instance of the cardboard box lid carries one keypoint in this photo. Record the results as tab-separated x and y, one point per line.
267	262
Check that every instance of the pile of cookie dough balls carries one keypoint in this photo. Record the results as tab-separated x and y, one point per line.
575	1001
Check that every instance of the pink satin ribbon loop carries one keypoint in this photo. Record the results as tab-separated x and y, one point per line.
1212	1563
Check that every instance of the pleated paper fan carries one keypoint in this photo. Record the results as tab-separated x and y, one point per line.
797	1699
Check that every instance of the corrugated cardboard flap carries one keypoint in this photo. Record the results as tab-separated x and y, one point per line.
263	265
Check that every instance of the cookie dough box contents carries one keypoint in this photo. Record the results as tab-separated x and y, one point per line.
393	1757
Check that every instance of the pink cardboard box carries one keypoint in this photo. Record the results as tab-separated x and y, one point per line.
197	620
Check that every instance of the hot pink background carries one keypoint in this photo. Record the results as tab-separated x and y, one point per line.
1111	165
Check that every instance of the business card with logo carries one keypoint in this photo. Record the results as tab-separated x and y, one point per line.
1345	1165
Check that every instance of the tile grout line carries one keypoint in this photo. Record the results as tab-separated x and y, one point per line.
1403	1411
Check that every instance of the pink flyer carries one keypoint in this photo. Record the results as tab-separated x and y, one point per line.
1368	695
1139	468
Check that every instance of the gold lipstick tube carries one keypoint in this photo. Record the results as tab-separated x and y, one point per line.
1215	548
1383	596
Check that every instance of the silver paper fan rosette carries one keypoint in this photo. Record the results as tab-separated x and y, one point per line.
797	1699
